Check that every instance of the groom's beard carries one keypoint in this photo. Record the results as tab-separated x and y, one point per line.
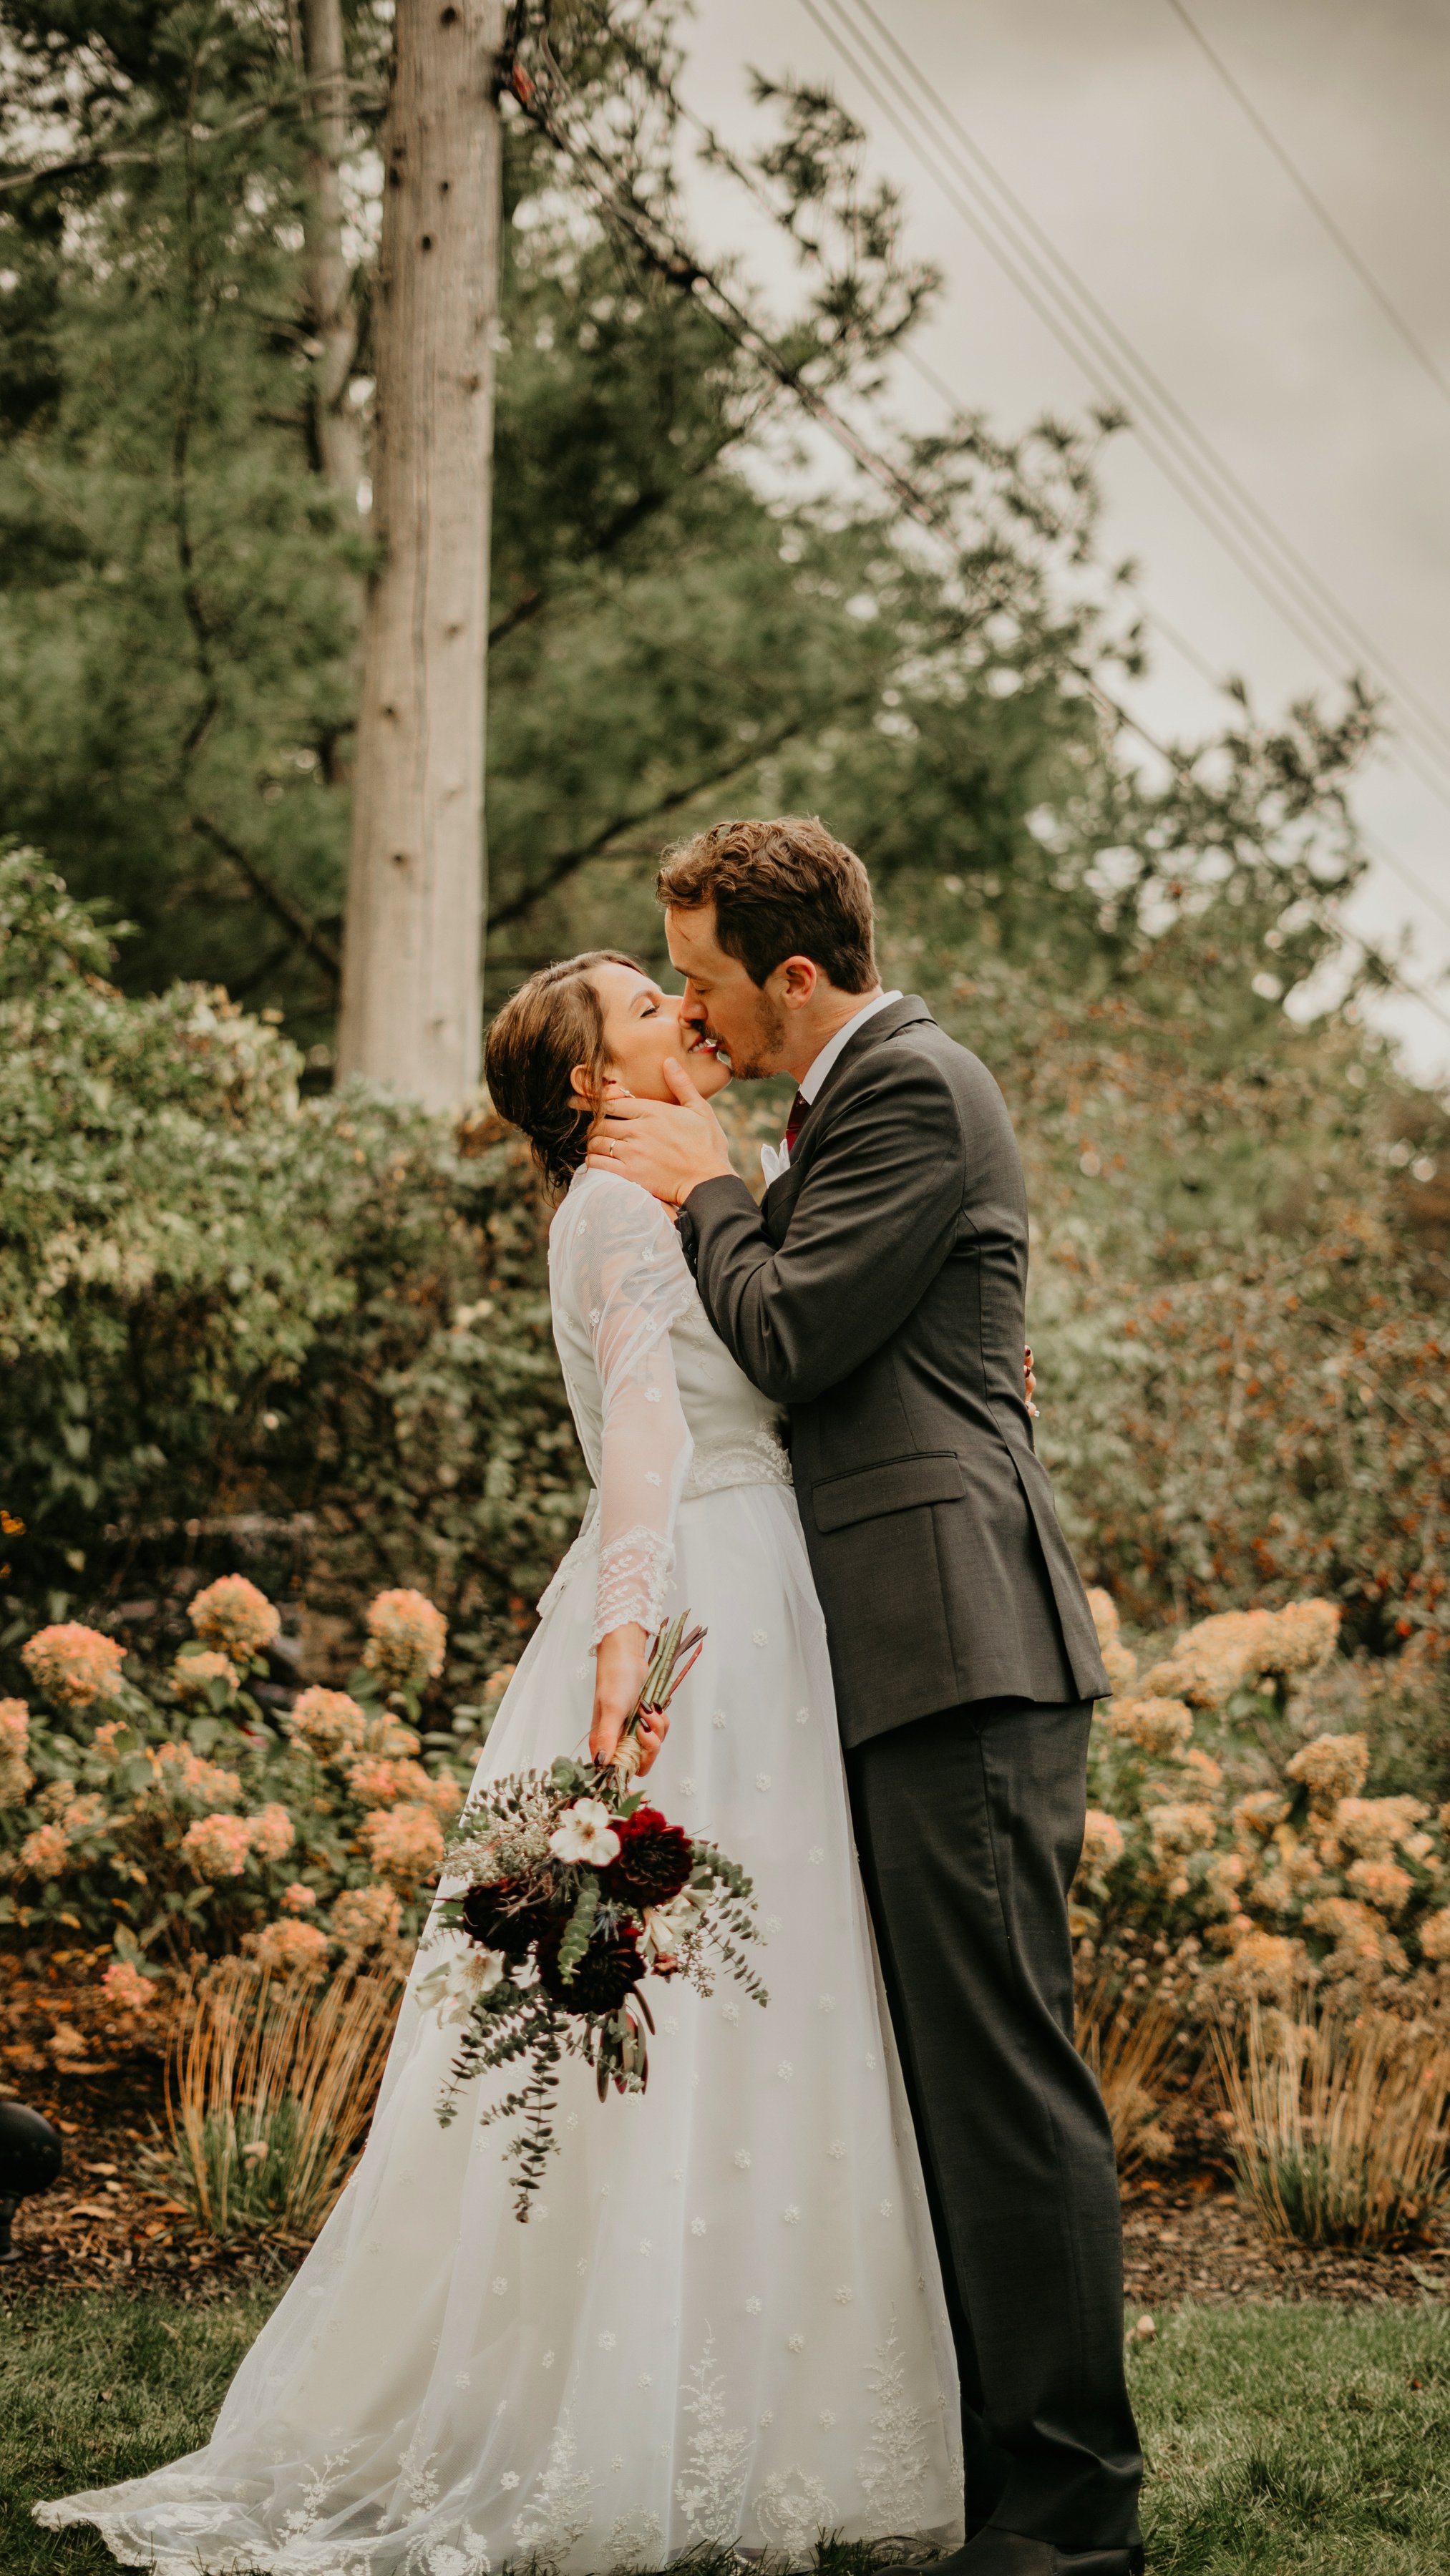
756	1056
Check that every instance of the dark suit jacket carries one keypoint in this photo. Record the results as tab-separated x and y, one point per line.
879	1293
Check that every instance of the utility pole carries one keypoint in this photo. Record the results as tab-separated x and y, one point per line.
412	978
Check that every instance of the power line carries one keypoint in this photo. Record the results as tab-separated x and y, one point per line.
1112	364
1314	202
662	251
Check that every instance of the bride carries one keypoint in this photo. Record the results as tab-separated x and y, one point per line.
723	2322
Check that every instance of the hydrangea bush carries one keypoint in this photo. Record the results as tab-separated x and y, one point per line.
177	1813
1265	1891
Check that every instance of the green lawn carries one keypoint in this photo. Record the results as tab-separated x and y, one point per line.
1282	2441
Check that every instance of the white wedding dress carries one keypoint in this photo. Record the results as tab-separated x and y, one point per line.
723	2322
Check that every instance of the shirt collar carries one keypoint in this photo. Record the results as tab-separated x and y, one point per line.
812	1081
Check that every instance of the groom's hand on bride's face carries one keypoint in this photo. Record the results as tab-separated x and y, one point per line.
668	1146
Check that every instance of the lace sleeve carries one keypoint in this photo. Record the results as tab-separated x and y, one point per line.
631	1282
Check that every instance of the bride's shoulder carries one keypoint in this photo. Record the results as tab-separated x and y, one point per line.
605	1205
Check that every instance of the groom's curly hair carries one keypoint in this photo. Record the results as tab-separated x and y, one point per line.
783	888
549	1025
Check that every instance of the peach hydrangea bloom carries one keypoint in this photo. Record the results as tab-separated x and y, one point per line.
1223	1878
299	1898
1360	1938
285	1946
15	1772
180	1773
404	1844
444	1795
124	1986
273	1833
1105	1614
1203	1767
1435	1934
234	1617
45	1853
379	1783
327	1722
1157	1726
406	1638
1331	1768
1102	1842
74	1665
1263	1967
363	1915
1382	1883
217	1846
1181	1826
1373	1826
1257	1814
106	1744
192	1675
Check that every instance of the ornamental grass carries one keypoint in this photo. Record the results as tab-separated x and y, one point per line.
1130	2041
1339	2123
271	2080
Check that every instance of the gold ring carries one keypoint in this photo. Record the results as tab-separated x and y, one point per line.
613	1154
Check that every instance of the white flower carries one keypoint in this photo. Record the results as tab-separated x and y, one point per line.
500	2287
815	1854
790	2215
742	2158
785	2070
844	2296
766	2420
886	2209
645	2380
825	2419
584	1832
687	1788
509	2479
837	2147
547	2361
825	2003
803	1717
607	2342
697	2227
760	1638
718	1720
730	2013
752	2307
462	2379
795	2343
762	1779
644	2245
484	1970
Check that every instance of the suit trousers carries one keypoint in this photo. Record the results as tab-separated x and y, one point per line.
969	1827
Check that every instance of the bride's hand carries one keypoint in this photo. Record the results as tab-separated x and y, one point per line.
620	1663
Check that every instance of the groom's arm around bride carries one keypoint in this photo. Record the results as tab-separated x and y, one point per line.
878	1292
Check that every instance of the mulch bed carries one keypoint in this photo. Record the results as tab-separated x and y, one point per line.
106	2226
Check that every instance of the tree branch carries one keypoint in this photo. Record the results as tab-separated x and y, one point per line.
278	901
570	861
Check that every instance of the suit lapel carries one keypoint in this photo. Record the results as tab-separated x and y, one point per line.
781	1196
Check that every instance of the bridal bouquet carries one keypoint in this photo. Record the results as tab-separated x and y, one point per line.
577	1891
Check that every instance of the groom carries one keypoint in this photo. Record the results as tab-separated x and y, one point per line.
878	1293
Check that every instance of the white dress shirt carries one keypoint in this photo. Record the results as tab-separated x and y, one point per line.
775	1159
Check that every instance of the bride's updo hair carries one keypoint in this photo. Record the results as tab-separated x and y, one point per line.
549	1025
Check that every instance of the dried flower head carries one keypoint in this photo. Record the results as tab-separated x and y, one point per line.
1254	1817
74	1665
284	1947
192	1675
299	1898
1202	1765
1435	1934
363	1916
1103	1843
45	1853
1331	1768
406	1639
1223	1878
1373	1826
1382	1884
1120	1664
1263	1967
404	1844
232	1615
1181	1826
15	1772
1157	1726
124	1986
217	1846
273	1833
378	1783
177	1772
1105	1615
327	1722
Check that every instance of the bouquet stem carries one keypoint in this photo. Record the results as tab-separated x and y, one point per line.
673	1653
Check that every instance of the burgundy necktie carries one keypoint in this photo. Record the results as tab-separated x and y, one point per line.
798	1108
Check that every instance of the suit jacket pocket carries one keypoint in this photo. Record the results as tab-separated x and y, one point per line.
896	1485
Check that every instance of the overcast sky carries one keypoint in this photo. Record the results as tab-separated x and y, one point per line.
1127	149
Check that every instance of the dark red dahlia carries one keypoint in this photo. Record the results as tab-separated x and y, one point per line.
504	1914
610	1967
654	1863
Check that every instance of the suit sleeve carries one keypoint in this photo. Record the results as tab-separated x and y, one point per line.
876	1217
